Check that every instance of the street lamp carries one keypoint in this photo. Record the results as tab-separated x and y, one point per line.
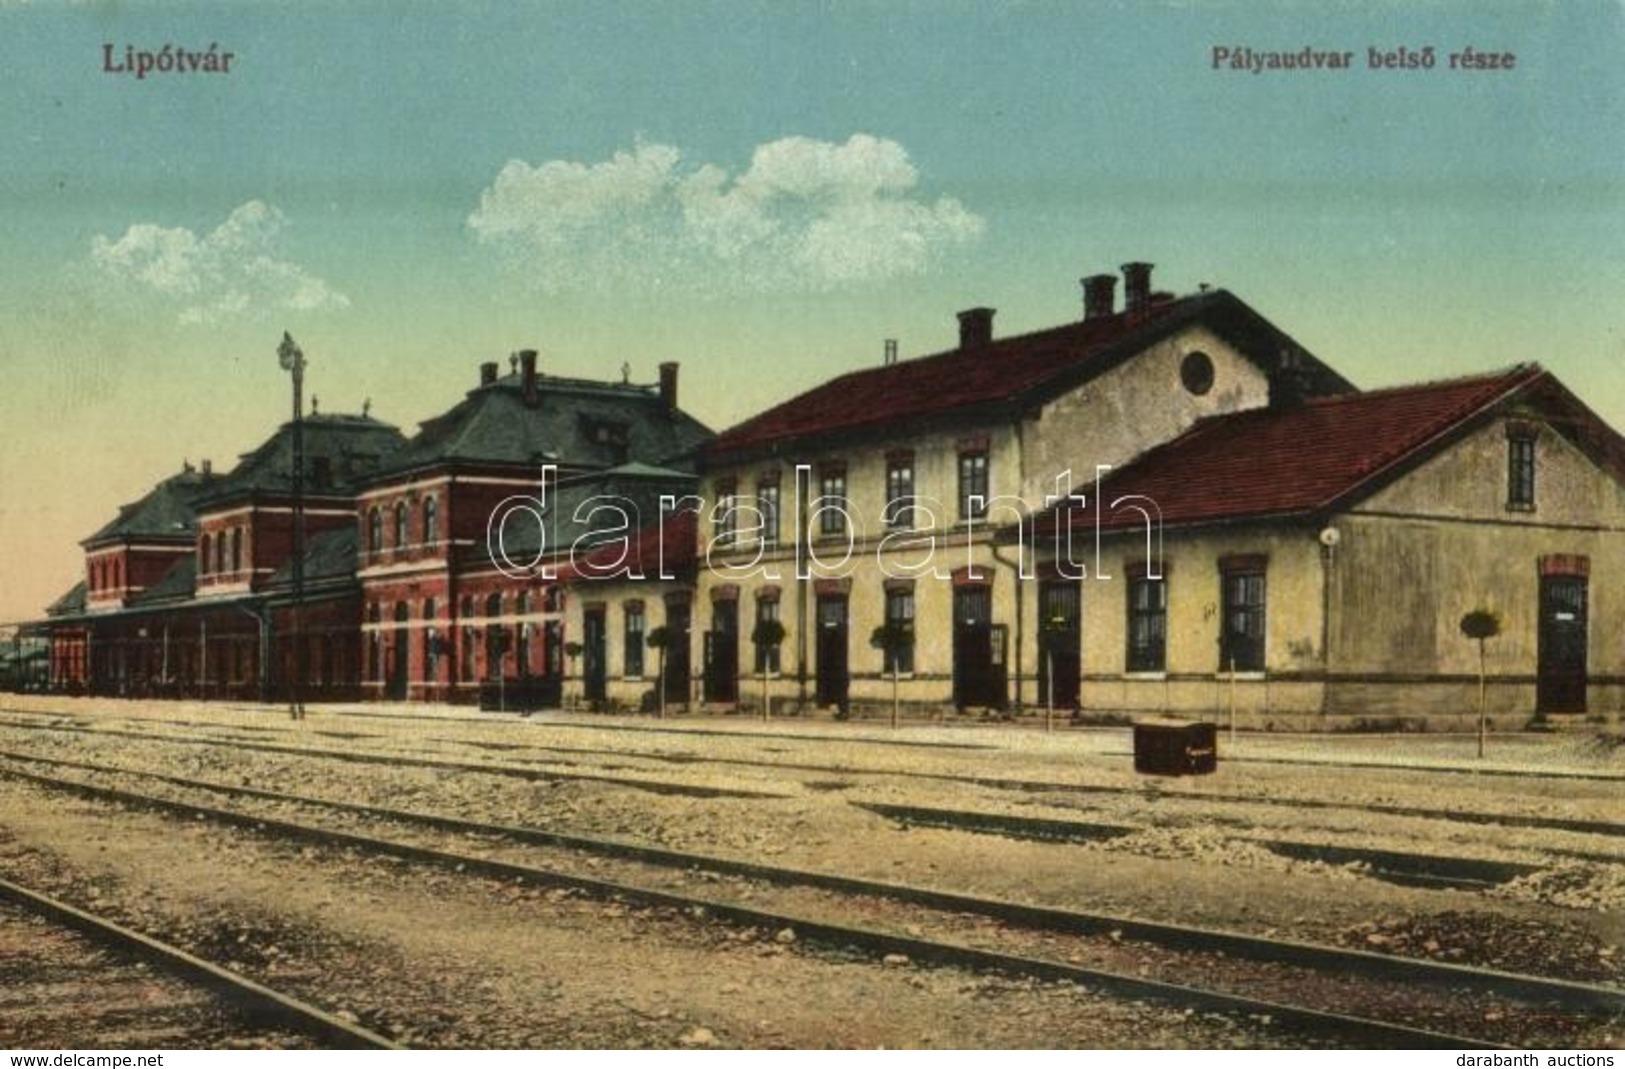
292	359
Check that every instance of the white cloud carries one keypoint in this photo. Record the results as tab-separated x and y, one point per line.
805	214
225	273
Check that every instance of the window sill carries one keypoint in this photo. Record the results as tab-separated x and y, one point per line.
1241	677
1513	506
1154	677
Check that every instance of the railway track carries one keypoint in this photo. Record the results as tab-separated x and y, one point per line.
1613	829
1396	866
73	978
354	757
1009	937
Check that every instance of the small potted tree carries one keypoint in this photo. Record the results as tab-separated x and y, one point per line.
572	650
658	639
768	635
893	638
1481	625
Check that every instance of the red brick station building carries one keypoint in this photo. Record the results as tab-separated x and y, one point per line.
1268	537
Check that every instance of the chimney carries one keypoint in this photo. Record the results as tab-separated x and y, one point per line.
208	467
668	386
1136	287
527	373
1099	296
1287	386
975	327
488	373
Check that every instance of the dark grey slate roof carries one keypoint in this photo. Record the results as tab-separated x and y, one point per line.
178	584
72	603
329	555
353	447
576	424
165	512
636	493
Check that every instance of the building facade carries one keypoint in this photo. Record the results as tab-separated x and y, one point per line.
1164	506
873	505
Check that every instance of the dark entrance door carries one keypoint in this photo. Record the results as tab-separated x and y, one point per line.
396	690
722	654
1561	676
978	650
1060	631
679	618
832	643
594	678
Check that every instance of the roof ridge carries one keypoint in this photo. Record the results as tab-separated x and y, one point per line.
1528	368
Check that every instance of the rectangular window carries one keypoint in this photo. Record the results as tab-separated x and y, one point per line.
767	657
900	492
1147	625
1241	643
767	503
972	485
832	501
900	613
634	641
1521	472
724	516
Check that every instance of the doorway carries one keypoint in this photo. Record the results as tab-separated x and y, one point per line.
722	654
1560	685
833	676
979	672
594	655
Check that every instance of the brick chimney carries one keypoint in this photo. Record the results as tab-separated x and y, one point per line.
488	373
1287	380
527	377
975	327
668	385
1136	287
1099	296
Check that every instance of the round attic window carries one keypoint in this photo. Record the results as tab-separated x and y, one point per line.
1196	373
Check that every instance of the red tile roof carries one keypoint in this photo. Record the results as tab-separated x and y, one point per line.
1014	370
1273	462
672	543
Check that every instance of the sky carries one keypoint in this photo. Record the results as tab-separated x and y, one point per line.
762	191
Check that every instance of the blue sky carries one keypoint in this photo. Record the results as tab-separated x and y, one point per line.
762	191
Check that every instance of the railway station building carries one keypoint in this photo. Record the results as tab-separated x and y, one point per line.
1164	504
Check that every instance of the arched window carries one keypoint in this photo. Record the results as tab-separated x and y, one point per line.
431	643
465	663
522	657
375	531
220	552
375	644
431	520
237	549
203	554
400	524
496	637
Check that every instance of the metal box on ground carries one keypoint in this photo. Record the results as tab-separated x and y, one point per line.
1165	747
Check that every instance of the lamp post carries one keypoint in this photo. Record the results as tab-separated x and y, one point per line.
292	359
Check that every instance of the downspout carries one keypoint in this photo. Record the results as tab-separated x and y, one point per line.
1015	566
803	569
1328	548
1021	615
264	620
